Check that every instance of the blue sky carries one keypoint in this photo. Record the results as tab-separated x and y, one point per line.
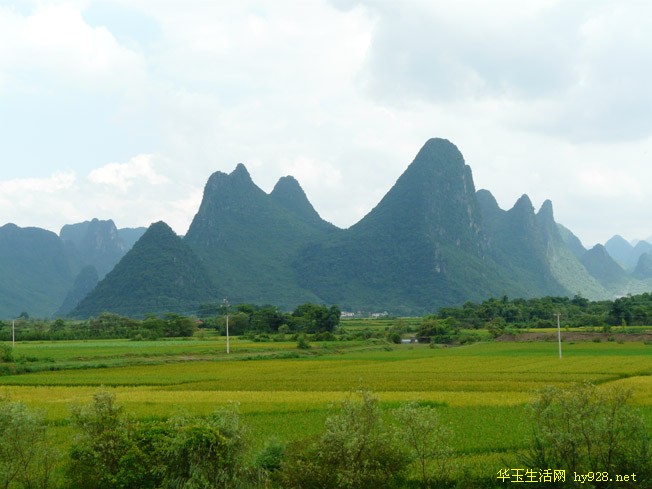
122	109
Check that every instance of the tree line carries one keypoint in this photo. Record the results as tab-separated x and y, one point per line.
631	310
307	318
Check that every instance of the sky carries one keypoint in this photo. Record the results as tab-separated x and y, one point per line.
122	109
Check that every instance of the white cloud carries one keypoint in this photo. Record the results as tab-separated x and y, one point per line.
58	181
53	47
541	98
124	175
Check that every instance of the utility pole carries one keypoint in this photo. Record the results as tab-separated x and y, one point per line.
13	333
559	333
226	305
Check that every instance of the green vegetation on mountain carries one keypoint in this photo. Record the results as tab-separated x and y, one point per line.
36	271
431	241
96	242
643	268
604	268
421	247
248	239
621	251
572	242
86	281
159	274
519	245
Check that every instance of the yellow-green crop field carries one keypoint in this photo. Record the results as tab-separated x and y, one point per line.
482	390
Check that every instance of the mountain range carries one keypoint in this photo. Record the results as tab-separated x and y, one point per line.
432	241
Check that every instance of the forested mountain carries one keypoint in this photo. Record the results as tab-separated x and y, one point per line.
626	254
643	270
422	246
36	271
572	242
431	241
248	240
85	281
159	274
604	268
99	243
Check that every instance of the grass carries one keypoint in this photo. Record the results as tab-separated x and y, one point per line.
481	390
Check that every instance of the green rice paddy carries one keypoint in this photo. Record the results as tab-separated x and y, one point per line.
481	390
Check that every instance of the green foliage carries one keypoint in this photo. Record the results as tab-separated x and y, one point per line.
302	342
158	275
104	454
270	458
496	314
313	318
587	429
356	450
114	451
205	453
6	353
428	440
36	269
26	457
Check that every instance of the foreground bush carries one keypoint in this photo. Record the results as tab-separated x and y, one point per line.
590	429
26	457
113	451
356	450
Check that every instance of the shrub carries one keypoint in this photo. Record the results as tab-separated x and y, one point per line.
355	451
302	342
270	458
585	429
427	440
26	457
104	453
6	353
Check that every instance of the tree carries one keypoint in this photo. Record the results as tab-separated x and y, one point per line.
585	429
428	441
313	318
356	450
104	453
205	453
26	457
177	325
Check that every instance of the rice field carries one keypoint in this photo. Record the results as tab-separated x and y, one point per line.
482	390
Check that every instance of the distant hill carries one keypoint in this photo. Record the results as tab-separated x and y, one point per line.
572	242
99	243
159	274
431	241
36	271
85	281
604	268
621	251
248	239
643	270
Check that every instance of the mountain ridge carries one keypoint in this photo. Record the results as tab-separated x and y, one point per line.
431	241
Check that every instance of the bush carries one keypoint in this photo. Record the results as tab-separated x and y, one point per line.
104	453
355	451
427	440
112	451
26	458
585	429
270	459
6	353
204	453
394	337
302	342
